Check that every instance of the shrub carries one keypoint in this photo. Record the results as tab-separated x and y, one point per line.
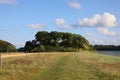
49	48
40	48
70	49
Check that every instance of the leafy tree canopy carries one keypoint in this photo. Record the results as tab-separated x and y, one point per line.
6	46
57	40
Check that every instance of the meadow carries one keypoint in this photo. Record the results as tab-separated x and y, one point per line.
60	66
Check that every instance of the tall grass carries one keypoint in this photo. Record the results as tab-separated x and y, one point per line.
27	68
62	66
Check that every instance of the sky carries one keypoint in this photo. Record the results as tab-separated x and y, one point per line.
97	20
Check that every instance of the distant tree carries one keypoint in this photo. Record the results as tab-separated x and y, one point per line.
6	46
55	38
40	48
42	37
21	49
56	41
28	46
107	47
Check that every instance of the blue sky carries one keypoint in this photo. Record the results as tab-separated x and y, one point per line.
96	20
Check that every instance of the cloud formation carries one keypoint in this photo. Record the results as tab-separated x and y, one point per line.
105	20
75	5
101	22
8	1
105	31
36	26
60	22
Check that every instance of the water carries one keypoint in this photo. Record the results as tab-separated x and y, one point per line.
115	53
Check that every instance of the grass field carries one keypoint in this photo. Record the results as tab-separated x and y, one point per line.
61	66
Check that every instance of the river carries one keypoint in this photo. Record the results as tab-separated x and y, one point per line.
114	53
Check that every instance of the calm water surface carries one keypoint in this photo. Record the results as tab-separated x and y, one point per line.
115	53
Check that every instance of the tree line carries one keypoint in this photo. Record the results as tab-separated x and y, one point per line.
107	47
56	41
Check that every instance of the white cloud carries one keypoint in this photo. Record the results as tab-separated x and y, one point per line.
36	26
101	22
65	26
105	20
75	5
60	22
8	1
105	31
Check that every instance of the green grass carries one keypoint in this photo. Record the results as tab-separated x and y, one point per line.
62	66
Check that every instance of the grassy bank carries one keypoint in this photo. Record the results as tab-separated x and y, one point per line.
59	66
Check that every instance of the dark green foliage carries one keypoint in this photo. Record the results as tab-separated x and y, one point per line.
42	37
69	49
49	48
40	48
6	46
54	38
28	46
56	41
21	49
107	47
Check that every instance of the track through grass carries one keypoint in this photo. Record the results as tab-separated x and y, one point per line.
71	67
64	66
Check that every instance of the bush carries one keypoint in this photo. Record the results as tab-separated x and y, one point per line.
40	48
70	49
59	49
22	49
49	48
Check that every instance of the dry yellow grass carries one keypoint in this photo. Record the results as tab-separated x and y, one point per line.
18	54
60	66
16	66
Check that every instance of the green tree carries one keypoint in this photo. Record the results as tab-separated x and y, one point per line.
6	46
57	41
28	46
42	37
55	38
66	39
